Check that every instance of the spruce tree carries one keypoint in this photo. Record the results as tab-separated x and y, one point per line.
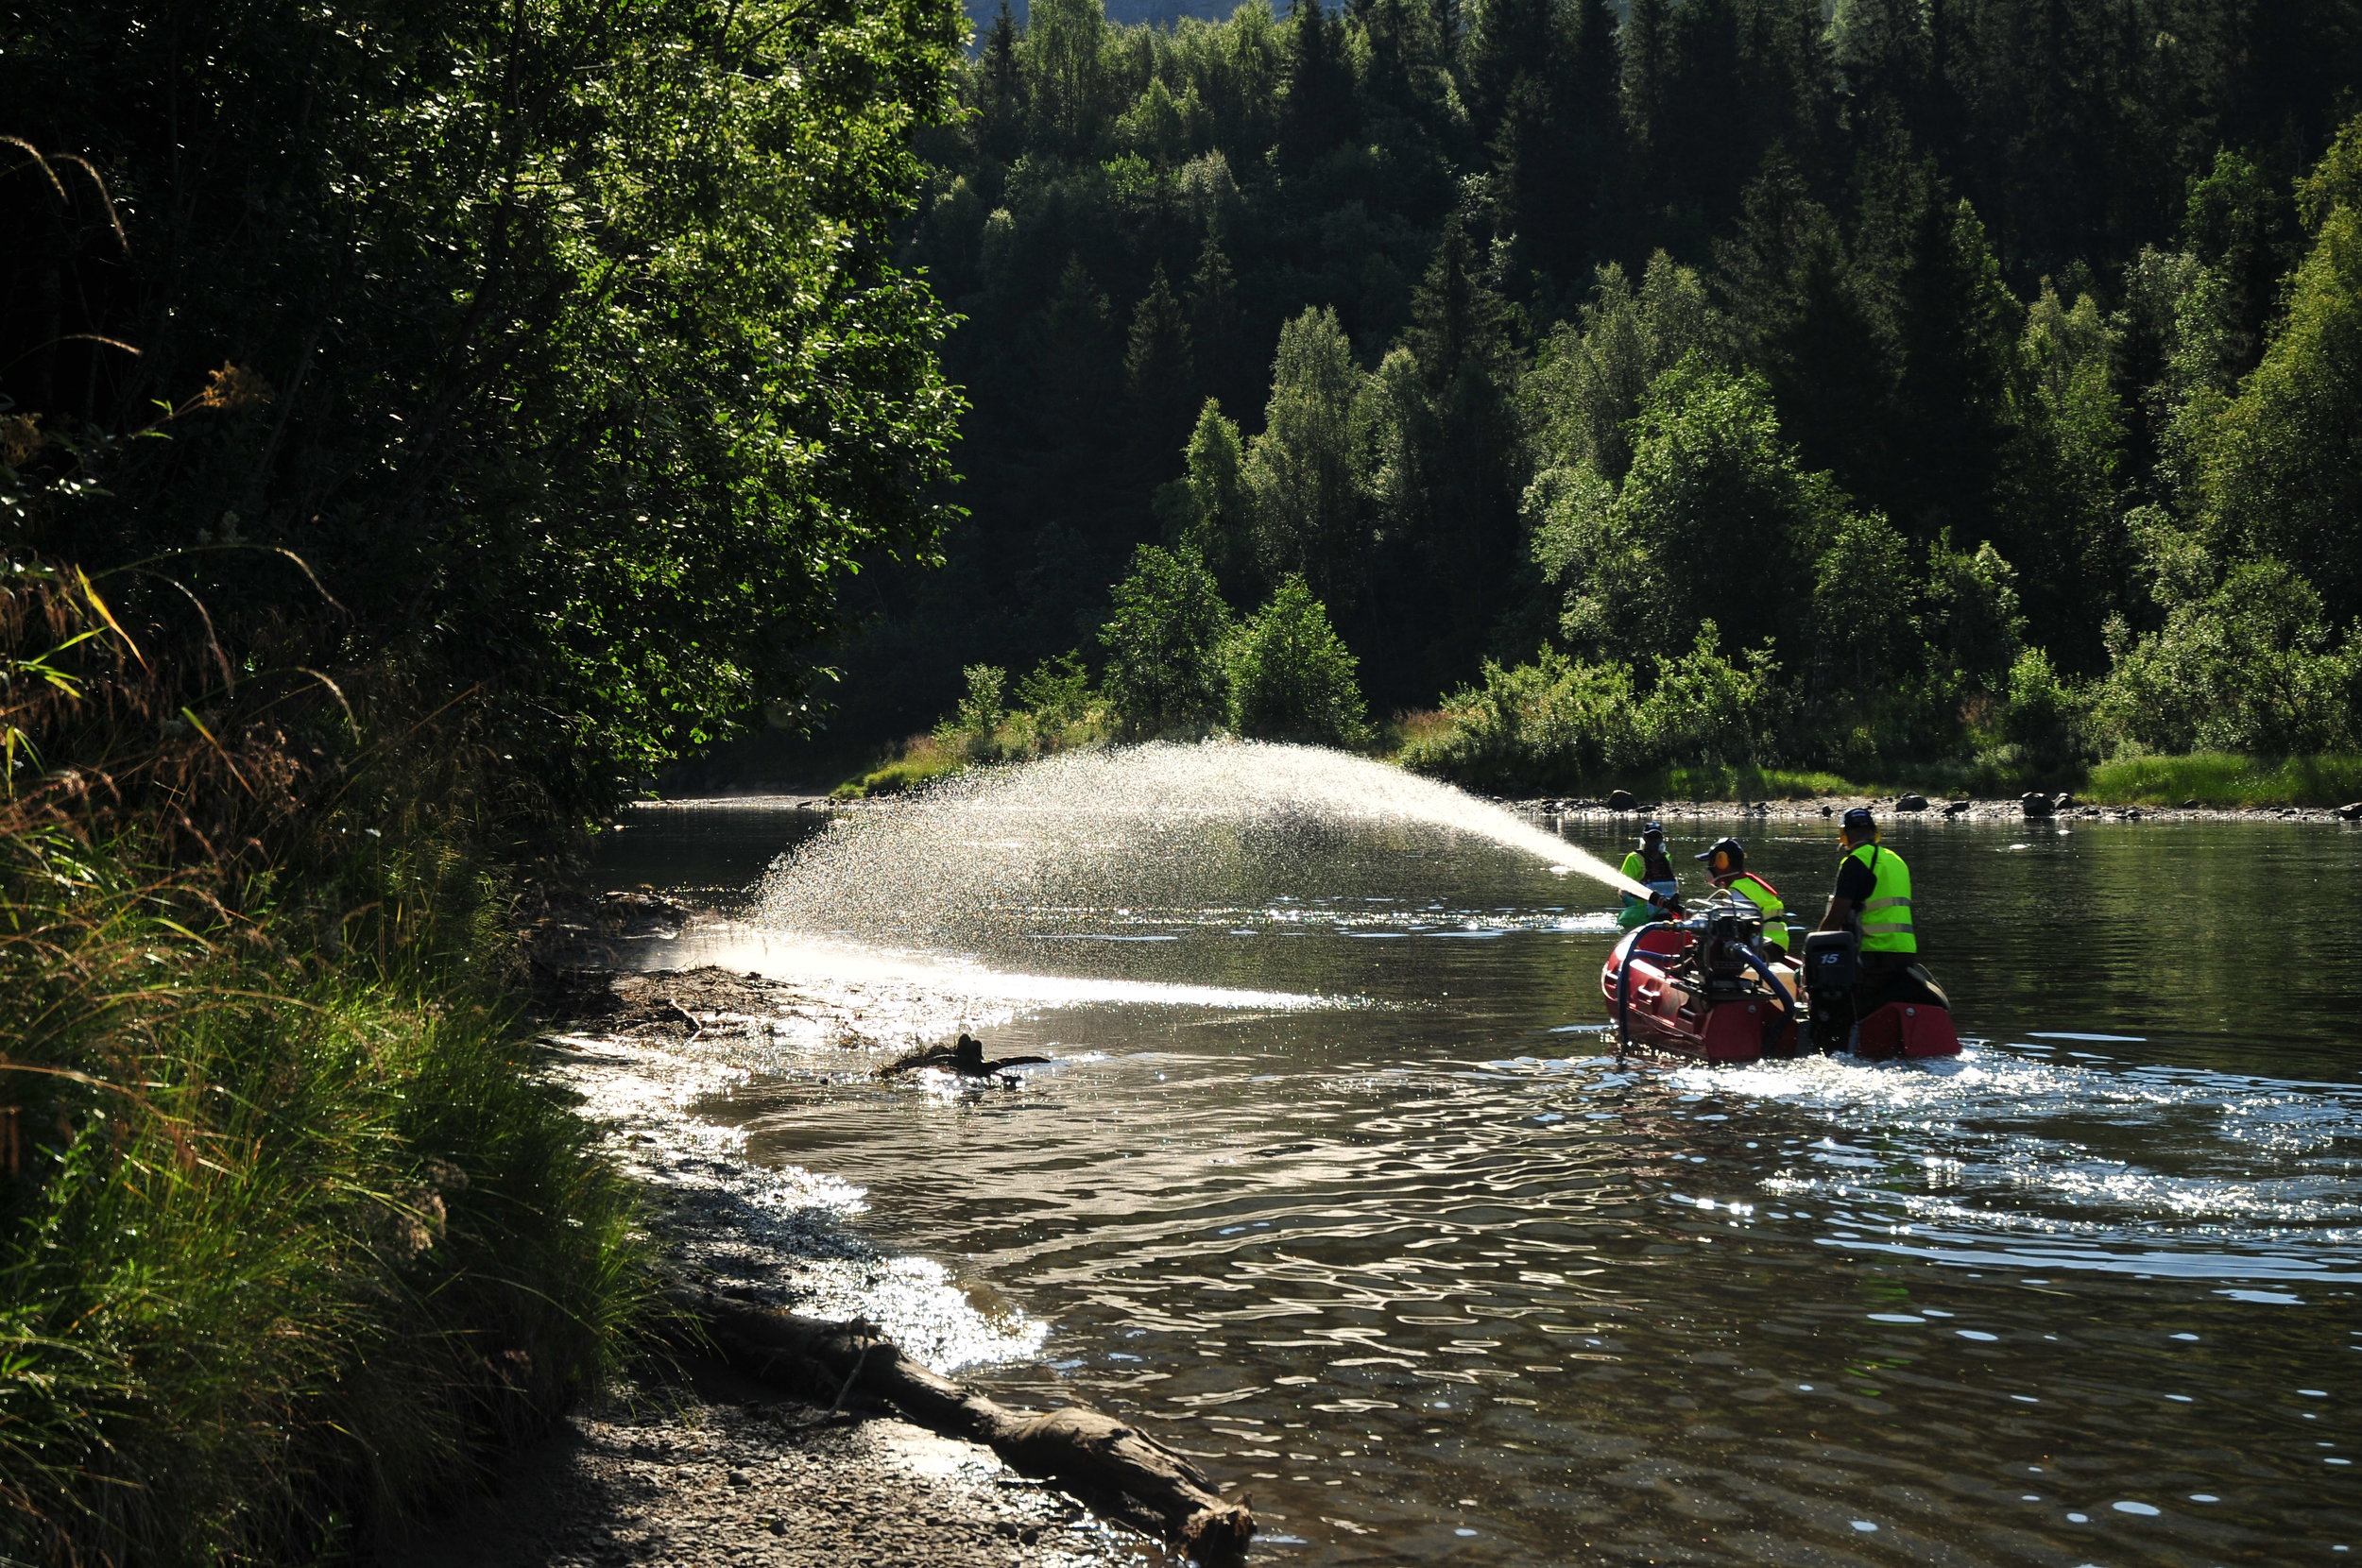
1788	286
1001	131
1157	372
1644	49
1956	332
1705	137
1318	110
1461	336
1216	334
1507	39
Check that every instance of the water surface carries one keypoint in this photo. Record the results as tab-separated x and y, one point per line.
1437	1279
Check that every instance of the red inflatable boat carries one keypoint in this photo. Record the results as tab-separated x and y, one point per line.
1700	987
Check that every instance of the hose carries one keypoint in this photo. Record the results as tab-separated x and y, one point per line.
1772	983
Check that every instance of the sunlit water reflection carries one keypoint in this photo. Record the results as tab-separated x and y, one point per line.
1435	1277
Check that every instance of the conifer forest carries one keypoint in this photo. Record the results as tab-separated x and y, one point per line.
1722	382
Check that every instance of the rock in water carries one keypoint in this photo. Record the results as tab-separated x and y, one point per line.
2353	812
2034	804
1620	800
2190	805
2063	801
1911	803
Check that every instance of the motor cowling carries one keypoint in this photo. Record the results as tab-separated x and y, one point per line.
1832	970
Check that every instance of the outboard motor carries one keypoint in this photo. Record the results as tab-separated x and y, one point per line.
1832	970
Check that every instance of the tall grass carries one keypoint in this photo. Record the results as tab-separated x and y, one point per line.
289	1235
2226	779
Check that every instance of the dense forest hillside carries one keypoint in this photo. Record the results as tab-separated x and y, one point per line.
1907	375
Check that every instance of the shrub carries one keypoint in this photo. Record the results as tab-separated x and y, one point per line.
1292	677
2249	668
1055	711
1705	711
1545	725
2041	715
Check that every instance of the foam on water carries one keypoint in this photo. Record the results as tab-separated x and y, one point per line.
1997	1143
1162	824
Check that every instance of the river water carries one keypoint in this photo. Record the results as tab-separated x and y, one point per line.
1435	1278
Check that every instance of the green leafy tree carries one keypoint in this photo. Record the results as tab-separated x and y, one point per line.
1164	644
590	371
1975	628
2042	715
1292	677
1591	373
2057	482
1065	52
1058	691
2283	470
1715	521
1302	469
1216	516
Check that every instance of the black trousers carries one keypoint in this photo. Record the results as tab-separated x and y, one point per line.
1894	978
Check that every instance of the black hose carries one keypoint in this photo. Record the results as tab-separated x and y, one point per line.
1787	1011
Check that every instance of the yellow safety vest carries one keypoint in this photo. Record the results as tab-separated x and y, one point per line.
1758	893
1886	914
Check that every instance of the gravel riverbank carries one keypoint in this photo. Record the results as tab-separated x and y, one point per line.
696	1468
1936	809
689	1466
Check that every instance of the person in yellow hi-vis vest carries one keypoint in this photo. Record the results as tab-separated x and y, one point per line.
1726	866
1873	897
1651	868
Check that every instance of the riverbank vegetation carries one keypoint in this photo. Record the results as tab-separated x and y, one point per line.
416	425
1721	384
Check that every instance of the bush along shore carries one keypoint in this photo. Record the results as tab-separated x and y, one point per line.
289	1239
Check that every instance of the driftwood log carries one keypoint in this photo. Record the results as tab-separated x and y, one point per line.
1084	1448
966	1058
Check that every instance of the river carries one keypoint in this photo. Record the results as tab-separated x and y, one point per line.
1426	1270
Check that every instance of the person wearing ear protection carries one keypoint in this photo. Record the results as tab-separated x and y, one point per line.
1726	867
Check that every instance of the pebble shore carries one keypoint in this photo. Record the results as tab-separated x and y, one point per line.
1936	810
696	1468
